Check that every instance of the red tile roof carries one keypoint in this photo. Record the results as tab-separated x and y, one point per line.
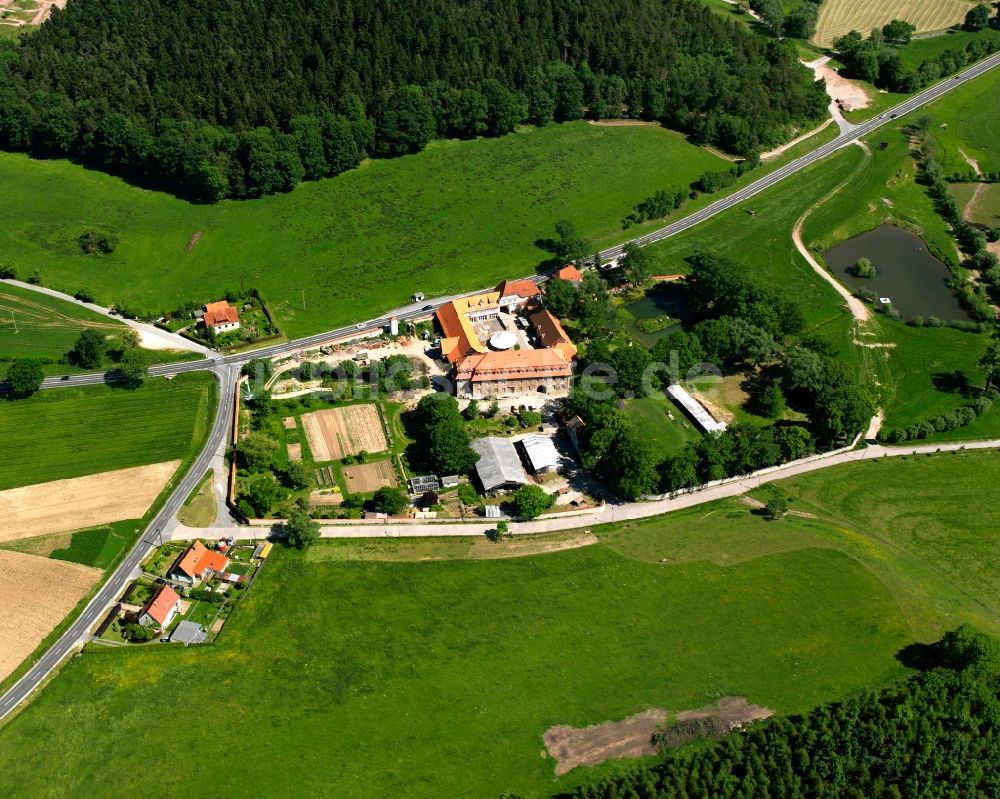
570	273
513	365
524	288
220	313
160	604
197	560
552	335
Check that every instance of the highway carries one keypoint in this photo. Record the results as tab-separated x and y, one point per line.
226	370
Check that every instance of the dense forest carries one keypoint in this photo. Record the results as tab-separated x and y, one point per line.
240	98
934	735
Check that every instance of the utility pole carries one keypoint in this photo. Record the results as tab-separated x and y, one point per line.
12	319
303	299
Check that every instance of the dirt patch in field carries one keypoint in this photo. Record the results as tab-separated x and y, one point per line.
81	502
623	123
289	422
35	595
848	94
523	547
294	452
193	242
365	477
634	736
337	432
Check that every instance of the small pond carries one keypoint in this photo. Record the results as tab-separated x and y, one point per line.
661	301
906	272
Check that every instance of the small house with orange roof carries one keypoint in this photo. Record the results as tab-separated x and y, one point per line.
571	274
161	608
221	317
198	563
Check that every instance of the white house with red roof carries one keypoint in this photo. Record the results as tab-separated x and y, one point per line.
161	608
221	317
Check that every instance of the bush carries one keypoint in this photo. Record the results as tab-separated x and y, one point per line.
7	272
139	633
531	501
776	507
97	242
863	268
467	494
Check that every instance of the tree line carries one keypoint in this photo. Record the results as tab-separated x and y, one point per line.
934	734
877	61
245	98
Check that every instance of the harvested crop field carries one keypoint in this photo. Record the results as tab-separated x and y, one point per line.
294	452
366	477
335	433
35	595
289	422
837	17
82	502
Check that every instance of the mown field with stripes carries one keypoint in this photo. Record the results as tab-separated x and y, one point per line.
67	433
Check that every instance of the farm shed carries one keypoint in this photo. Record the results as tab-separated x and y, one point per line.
499	466
694	409
542	455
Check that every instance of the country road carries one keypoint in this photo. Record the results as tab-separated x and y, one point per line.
226	369
609	513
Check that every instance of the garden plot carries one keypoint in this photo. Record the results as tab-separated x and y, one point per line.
35	595
335	433
82	502
365	477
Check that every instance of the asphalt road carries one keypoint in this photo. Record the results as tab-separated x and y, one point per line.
226	369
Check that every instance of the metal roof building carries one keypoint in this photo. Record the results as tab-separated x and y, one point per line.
541	452
695	409
499	466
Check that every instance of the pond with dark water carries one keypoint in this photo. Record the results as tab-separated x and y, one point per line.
656	303
914	280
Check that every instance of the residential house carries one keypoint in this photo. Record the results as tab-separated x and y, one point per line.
161	608
198	563
221	317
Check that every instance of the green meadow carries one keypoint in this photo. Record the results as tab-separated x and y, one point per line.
70	432
436	675
34	325
454	217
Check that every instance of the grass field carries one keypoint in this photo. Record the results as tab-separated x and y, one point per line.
98	547
665	434
457	216
450	656
199	508
764	242
933	46
986	208
837	17
970	116
72	432
33	325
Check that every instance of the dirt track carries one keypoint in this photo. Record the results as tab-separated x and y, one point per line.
35	595
82	502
